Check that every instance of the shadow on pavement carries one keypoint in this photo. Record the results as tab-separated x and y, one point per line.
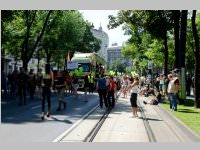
152	119
65	121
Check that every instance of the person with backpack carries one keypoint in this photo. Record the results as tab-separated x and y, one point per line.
111	92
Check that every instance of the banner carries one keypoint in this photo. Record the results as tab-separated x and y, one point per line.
72	65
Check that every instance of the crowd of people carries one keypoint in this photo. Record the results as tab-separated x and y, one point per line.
109	88
25	85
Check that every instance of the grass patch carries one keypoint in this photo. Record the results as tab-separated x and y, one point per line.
187	114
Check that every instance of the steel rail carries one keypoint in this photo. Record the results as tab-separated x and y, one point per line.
148	129
90	137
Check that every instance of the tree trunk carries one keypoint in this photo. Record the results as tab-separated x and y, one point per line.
25	65
182	43
26	47
40	35
176	18
197	63
182	47
48	58
166	54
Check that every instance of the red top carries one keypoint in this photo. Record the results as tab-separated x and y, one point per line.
112	85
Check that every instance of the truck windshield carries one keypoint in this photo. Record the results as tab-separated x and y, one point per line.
86	67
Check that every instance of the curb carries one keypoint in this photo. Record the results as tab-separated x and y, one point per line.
187	129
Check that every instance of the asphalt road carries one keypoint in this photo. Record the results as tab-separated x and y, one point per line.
24	124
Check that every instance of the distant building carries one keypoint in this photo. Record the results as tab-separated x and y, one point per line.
114	53
10	64
103	36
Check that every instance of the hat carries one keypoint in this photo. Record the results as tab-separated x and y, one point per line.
137	75
176	70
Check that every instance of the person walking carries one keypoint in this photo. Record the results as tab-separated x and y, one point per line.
161	83
75	85
111	91
39	84
124	86
91	83
32	83
101	89
133	98
60	86
47	84
86	87
22	85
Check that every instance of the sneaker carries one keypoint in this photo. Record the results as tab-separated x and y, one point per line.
48	114
42	117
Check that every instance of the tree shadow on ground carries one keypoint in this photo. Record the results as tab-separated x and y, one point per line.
187	111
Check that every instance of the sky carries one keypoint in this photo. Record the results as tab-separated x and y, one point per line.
98	17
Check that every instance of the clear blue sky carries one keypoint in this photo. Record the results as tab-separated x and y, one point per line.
101	16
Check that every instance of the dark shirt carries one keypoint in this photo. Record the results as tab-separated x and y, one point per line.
22	79
101	83
86	81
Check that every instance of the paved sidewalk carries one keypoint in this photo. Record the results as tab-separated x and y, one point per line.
121	126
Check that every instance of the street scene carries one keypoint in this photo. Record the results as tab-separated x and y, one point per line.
100	76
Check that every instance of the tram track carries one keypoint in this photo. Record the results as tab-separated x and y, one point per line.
74	126
90	137
147	126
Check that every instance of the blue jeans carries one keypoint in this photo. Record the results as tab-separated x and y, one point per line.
173	100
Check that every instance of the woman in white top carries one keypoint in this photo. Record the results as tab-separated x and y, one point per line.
133	99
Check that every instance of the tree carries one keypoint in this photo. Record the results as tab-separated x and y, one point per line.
157	23
25	32
197	63
65	31
88	43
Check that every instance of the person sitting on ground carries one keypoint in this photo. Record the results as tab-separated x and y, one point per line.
155	101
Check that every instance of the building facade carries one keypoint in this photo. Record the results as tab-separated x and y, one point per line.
103	36
114	53
10	64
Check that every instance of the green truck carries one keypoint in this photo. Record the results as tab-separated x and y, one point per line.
91	63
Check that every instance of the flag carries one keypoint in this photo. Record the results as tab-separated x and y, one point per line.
68	56
92	59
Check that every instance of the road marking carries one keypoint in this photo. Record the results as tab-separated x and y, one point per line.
35	107
60	137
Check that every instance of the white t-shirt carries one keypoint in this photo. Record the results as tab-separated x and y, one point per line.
134	89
